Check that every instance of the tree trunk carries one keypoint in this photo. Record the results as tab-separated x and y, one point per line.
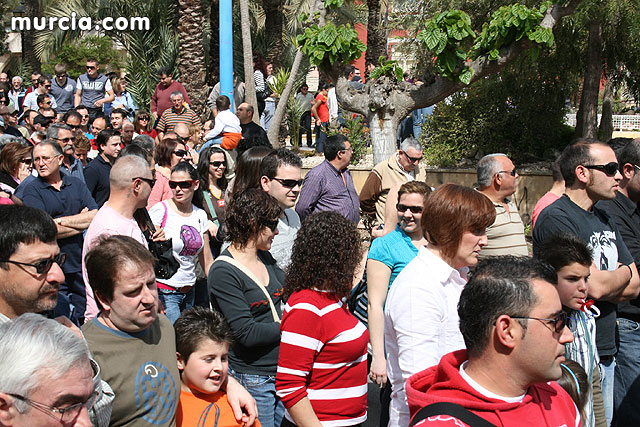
214	44
376	34
274	128
32	10
384	129
191	59
273	11
250	85
606	121
587	117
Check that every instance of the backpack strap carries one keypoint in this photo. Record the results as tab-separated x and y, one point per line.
448	408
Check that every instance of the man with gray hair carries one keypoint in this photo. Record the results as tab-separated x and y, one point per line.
177	114
401	167
46	374
63	134
497	179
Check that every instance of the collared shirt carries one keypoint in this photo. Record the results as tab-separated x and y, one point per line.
96	175
506	234
31	101
326	188
421	323
161	98
171	118
624	213
71	199
76	169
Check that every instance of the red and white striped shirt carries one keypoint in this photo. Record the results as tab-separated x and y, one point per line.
323	356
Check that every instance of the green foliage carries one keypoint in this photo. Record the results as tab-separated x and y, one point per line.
74	55
387	68
333	4
357	134
330	44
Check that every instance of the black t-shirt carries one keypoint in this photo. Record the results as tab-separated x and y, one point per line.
598	231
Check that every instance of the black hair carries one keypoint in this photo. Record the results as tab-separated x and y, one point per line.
197	325
104	137
629	154
203	167
248	213
275	159
23	225
193	174
573	155
333	145
562	249
223	103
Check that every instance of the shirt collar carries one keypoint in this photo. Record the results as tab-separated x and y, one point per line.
440	270
626	203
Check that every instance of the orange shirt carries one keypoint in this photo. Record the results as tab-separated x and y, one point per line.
214	411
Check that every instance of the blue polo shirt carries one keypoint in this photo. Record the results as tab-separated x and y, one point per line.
70	200
96	175
76	169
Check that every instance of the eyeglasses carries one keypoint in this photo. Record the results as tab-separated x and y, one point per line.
150	181
68	139
180	153
218	163
44	159
511	172
558	323
289	183
347	149
91	67
610	168
42	266
47	86
414	209
412	159
73	127
46	102
26	161
182	184
146	119
63	415
271	225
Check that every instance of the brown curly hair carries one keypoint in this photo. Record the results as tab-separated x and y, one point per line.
248	213
325	254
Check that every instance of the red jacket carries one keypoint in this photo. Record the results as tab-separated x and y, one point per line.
543	405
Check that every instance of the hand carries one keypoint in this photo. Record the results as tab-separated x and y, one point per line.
98	103
73	328
158	236
213	229
155	115
377	232
85	209
240	399
378	371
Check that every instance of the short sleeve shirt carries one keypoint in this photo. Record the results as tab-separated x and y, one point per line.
394	250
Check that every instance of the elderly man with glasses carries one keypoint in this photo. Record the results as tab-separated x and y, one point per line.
63	135
497	179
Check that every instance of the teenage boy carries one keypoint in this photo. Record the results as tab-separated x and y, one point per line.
572	258
203	338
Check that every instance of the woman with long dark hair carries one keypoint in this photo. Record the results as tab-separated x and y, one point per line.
211	170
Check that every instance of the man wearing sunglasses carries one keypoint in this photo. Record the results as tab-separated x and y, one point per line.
591	173
63	88
63	135
497	178
514	330
93	89
96	174
401	167
42	87
281	177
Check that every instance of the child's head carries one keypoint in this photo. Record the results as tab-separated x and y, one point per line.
571	258
575	382
202	345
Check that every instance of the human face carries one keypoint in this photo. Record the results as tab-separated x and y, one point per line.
74	123
243	113
112	148
269	69
98	126
183	195
176	101
206	369
180	154
25	166
166	80
46	103
116	120
60	78
46	161
469	248
266	235
47	88
72	387
92	69
217	172
409	159
284	194
347	152
65	139
134	306
507	180
601	186
22	289
85	117
16	84
573	285
410	221
82	156
4	78
542	349
127	132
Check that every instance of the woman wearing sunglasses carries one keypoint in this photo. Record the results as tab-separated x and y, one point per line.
388	255
420	314
245	285
15	165
142	124
211	169
187	226
169	152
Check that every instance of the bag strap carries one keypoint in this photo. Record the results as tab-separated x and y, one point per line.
448	408
253	277
212	211
164	218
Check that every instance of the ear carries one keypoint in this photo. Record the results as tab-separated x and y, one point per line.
181	362
8	411
628	171
264	183
582	174
197	184
106	305
497	178
507	331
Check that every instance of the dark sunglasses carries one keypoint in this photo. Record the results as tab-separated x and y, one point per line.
412	159
150	181
91	67
143	118
558	323
512	172
73	127
47	86
414	209
609	169
218	163
26	161
182	184
180	153
289	183
271	225
42	266
64	139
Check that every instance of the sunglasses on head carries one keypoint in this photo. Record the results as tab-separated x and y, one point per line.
182	184
609	169
403	208
42	266
218	163
180	153
289	183
558	323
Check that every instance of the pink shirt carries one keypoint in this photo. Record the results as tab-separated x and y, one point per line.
160	191
106	222
544	201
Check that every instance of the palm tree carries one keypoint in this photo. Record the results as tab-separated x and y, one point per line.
191	57
250	87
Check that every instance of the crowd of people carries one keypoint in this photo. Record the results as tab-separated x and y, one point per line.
157	272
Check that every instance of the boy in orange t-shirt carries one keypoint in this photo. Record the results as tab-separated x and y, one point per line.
203	338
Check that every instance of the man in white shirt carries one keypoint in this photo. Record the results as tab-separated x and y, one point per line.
31	100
